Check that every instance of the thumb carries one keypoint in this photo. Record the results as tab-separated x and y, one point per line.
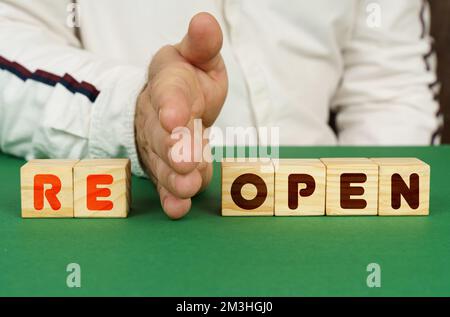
201	45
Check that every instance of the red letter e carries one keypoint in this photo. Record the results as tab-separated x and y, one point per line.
94	192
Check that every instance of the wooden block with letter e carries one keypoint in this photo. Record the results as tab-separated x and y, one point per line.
300	187
404	187
102	188
47	188
352	186
247	188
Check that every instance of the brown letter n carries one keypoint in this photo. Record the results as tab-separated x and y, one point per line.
399	188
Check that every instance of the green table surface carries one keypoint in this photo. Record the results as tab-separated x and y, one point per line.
205	254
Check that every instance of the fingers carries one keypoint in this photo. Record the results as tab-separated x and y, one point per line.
202	43
206	173
171	92
175	190
181	185
189	80
174	207
201	47
178	93
186	81
165	145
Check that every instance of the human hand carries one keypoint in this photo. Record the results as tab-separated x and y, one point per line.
186	81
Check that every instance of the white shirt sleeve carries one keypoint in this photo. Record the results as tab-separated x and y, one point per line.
56	99
385	96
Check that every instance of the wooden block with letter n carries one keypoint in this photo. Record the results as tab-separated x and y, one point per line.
102	188
247	188
47	188
404	187
300	187
352	186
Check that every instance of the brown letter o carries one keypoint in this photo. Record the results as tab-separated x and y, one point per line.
261	191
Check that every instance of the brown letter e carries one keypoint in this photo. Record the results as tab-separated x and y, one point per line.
347	191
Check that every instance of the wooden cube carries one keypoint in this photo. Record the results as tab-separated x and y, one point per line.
47	188
102	188
404	187
300	187
247	188
352	186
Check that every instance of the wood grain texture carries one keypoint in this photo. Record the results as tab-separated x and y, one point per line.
63	169
311	203
336	169
231	170
120	189
405	168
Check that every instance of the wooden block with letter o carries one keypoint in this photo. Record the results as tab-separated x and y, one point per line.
247	188
404	186
300	187
352	186
102	188
47	188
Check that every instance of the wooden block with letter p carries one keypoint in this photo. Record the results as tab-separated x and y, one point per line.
352	186
47	188
102	188
300	187
247	188
404	187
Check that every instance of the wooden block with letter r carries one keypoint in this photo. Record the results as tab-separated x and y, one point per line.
47	188
352	186
404	187
102	188
247	188
300	187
